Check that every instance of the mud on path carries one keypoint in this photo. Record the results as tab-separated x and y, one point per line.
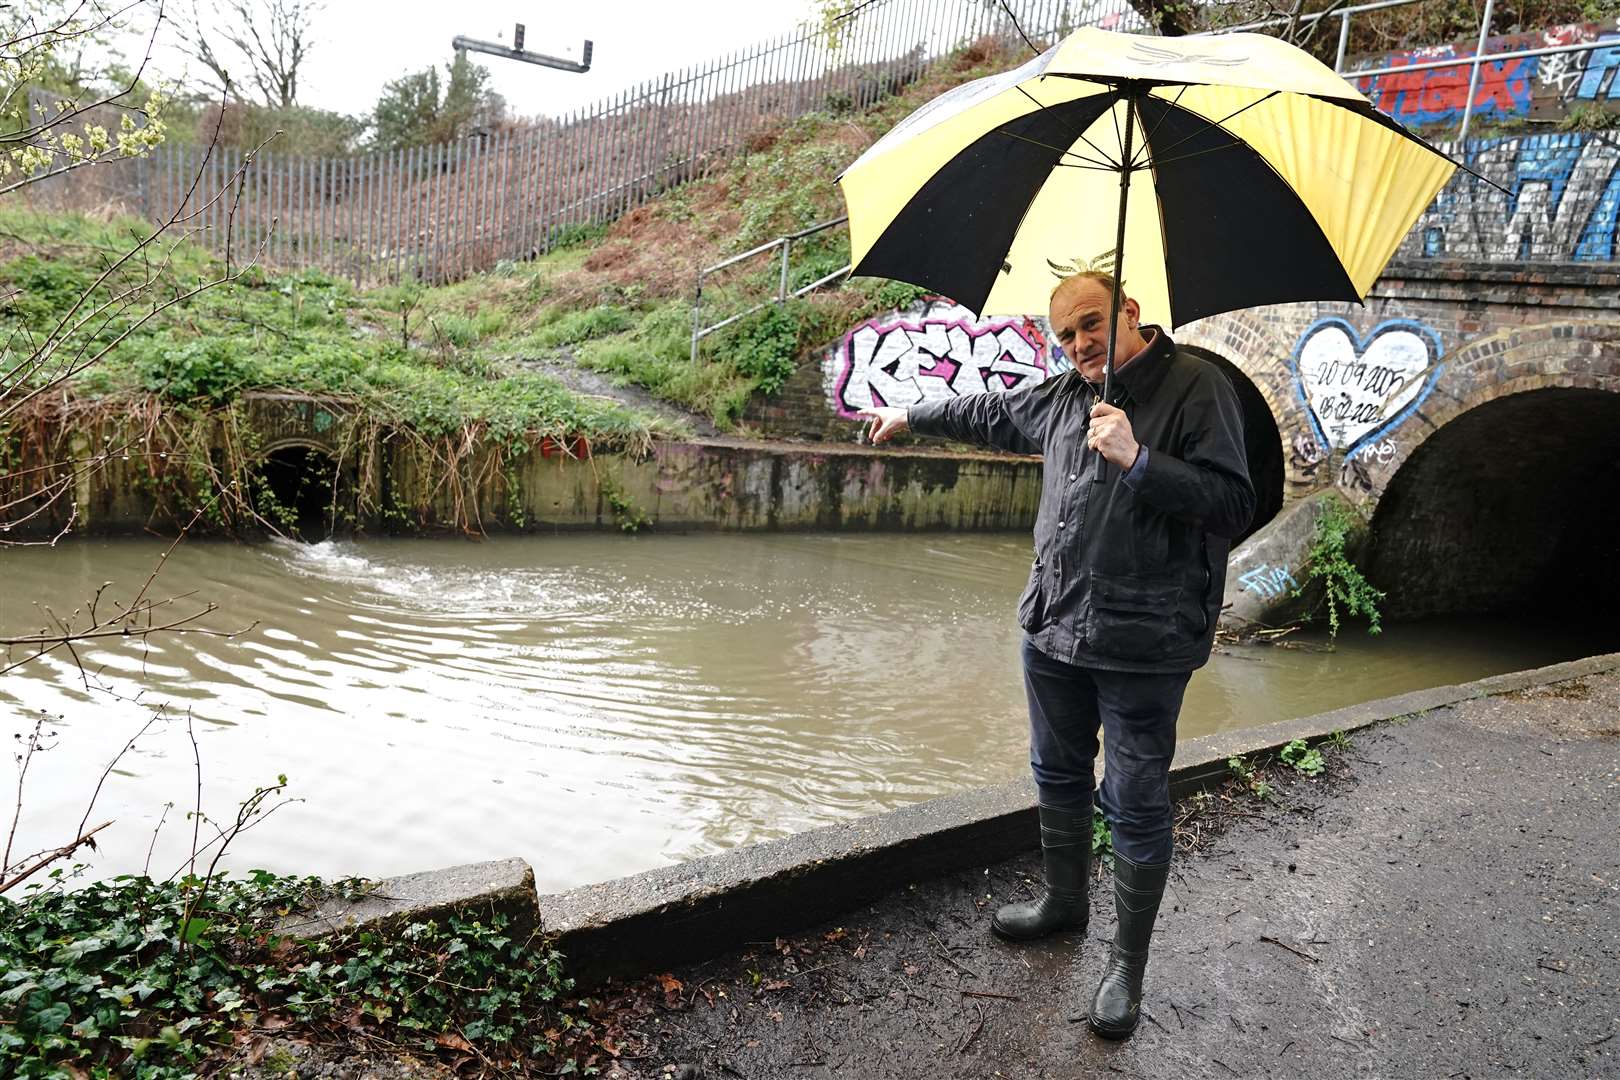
1445	903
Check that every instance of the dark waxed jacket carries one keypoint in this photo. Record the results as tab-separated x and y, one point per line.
1126	577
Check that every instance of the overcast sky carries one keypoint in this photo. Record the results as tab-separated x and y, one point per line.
362	44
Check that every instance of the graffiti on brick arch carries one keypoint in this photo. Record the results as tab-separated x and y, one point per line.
1562	203
1356	388
1541	86
943	351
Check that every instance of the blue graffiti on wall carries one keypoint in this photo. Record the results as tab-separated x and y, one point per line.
1599	78
1543	167
1561	202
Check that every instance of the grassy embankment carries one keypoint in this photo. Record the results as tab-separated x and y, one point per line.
445	369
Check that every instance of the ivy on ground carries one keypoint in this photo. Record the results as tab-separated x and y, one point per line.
158	980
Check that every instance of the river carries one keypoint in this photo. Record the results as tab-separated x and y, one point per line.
595	704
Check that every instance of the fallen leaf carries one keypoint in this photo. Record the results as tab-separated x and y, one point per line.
775	984
452	1041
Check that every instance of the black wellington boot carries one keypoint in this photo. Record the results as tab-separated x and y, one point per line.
1066	857
1138	888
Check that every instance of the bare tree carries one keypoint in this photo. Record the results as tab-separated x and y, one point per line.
252	44
1294	21
35	146
136	282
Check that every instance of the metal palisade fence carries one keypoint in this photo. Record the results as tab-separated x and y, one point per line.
438	213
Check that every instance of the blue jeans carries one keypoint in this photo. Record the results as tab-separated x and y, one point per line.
1136	714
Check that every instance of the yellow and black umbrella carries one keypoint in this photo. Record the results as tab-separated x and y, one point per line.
1269	179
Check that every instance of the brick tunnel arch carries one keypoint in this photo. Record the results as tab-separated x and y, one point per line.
1509	505
302	488
1247	349
1262	443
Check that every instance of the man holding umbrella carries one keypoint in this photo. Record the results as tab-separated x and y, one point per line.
1269	179
1139	502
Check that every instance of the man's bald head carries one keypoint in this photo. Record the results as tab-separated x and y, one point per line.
1073	281
1079	312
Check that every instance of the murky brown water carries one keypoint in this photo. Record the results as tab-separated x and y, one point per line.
598	705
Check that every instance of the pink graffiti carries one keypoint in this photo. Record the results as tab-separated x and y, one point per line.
948	352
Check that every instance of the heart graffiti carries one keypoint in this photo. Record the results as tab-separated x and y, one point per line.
1356	390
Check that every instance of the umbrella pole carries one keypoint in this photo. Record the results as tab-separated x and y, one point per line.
1119	240
1119	255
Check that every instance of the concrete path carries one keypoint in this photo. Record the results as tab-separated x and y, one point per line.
1446	903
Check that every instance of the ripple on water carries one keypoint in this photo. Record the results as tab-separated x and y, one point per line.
598	705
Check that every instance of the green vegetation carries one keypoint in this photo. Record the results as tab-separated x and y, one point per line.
418	109
644	266
627	515
1305	759
431	367
443	363
1250	778
1102	839
1328	563
303	331
1589	116
575	327
149	979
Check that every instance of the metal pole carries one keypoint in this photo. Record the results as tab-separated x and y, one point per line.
504	247
1119	238
781	289
1344	39
660	161
349	196
697	307
455	233
265	196
310	242
329	194
1473	75
547	201
483	176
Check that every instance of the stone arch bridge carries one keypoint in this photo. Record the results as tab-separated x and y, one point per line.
1472	415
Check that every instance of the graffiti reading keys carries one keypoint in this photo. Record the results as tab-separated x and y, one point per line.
943	351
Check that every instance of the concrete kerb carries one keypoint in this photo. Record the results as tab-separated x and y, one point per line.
680	914
471	891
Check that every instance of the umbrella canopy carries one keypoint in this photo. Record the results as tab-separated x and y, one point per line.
1262	178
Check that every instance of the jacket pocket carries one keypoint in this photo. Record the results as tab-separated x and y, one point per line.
1133	617
1032	605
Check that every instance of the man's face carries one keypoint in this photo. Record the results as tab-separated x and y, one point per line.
1079	314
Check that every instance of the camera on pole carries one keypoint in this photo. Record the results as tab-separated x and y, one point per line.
516	52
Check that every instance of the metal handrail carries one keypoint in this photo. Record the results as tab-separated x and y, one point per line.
785	242
1460	61
1474	62
1342	14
